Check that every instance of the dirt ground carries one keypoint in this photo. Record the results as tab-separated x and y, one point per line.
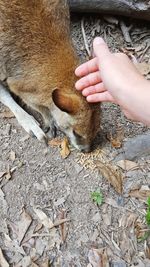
34	178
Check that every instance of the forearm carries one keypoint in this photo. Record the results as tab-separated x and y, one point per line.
137	101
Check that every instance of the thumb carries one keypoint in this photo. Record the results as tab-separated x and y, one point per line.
100	48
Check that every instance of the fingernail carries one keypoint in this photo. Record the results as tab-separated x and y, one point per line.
99	40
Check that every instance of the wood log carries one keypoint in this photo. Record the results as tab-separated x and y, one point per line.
131	8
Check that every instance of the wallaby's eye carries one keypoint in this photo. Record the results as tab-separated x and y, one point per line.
77	135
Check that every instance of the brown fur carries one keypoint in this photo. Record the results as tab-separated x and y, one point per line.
37	60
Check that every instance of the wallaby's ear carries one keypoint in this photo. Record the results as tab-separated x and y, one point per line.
66	102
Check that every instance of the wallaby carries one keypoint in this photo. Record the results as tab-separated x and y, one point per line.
37	63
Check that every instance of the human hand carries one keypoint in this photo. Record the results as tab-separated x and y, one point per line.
113	78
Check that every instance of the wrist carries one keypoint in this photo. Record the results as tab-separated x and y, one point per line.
137	101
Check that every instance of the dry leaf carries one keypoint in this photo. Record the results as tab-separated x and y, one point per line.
22	226
139	229
127	165
13	246
147	251
116	141
12	156
65	151
98	258
45	263
25	262
128	220
55	142
43	218
6	114
127	245
38	227
142	193
112	174
3	262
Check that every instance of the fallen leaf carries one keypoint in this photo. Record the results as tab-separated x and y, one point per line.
45	263
117	139
3	262
22	226
55	142
7	115
141	193
25	262
38	227
44	218
128	220
127	244
111	173
12	156
13	246
98	258
127	165
139	229
65	151
147	251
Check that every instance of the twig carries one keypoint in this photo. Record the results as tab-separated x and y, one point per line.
125	31
84	38
57	223
144	52
144	230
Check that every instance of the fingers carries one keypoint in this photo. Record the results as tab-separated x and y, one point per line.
100	97
98	88
89	80
100	48
86	68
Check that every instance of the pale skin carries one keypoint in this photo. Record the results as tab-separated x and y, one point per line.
112	77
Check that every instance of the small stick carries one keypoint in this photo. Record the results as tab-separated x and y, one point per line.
84	38
125	31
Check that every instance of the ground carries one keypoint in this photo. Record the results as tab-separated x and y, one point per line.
34	178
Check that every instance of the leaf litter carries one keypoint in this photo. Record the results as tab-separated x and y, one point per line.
3	261
141	193
127	165
98	258
98	161
7	115
63	144
31	242
116	140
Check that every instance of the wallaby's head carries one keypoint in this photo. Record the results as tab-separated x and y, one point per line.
78	119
